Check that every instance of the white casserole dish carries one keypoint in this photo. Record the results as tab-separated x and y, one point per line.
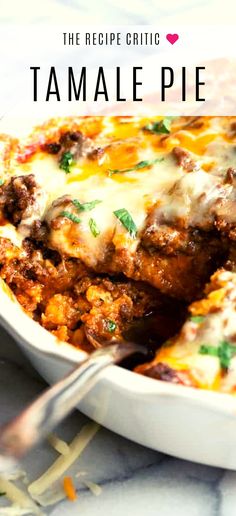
188	423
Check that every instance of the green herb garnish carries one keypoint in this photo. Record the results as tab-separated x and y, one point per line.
225	352
197	318
66	161
94	228
138	166
2	182
111	325
3	494
70	216
209	350
125	218
161	127
85	206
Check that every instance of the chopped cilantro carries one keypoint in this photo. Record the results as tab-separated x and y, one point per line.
138	166
111	325
125	218
85	206
66	161
225	352
94	228
209	350
161	127
197	318
70	216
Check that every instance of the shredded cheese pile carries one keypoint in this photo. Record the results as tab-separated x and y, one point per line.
45	490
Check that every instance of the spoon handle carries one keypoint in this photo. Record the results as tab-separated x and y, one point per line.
36	421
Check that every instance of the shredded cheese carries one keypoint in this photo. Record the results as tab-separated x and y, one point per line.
94	488
18	474
81	474
18	497
63	462
50	497
45	491
58	444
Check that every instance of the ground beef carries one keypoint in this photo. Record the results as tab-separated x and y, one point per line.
169	270
232	130
39	231
230	175
172	240
164	372
183	159
102	310
171	274
194	122
72	302
78	144
96	153
74	142
16	196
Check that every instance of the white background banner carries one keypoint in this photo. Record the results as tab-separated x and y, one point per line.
117	70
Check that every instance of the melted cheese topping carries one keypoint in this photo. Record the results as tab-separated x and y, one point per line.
135	191
163	183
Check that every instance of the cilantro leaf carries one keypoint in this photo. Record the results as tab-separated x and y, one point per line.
125	218
85	206
161	127
225	352
138	166
197	318
66	161
205	349
111	325
94	228
70	216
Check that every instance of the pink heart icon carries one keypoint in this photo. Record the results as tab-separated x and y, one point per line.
172	38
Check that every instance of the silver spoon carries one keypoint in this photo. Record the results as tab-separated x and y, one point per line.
36	421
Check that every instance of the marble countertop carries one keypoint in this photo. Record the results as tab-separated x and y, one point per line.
134	479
